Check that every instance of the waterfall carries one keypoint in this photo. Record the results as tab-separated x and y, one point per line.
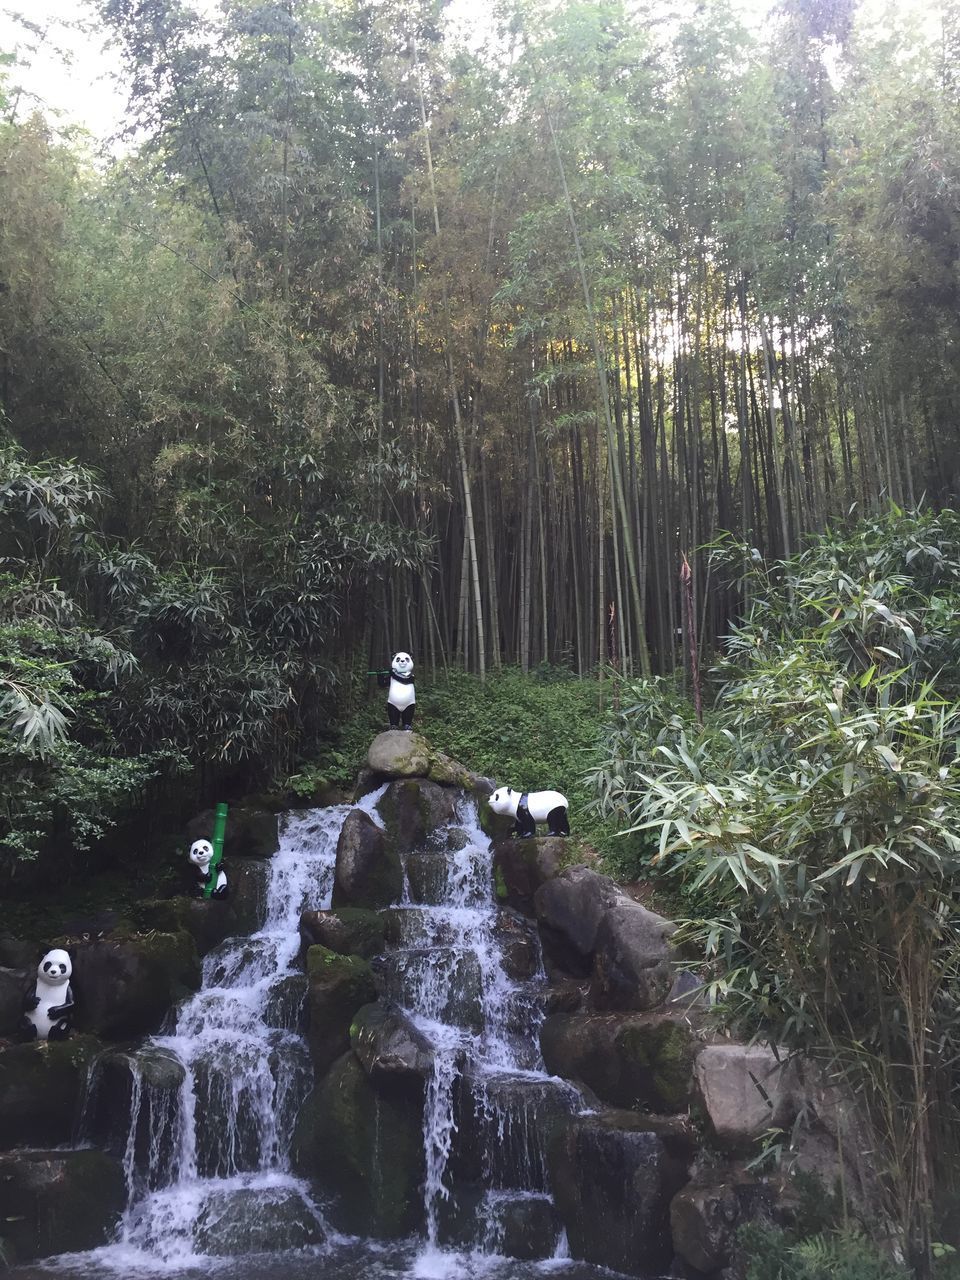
489	1097
206	1160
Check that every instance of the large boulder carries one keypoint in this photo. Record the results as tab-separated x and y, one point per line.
628	1060
130	1101
41	1087
569	908
396	754
632	959
15	986
745	1090
247	904
520	867
613	1177
350	931
207	920
250	833
366	1147
412	808
123	987
337	987
59	1201
390	1048
256	1220
704	1219
368	872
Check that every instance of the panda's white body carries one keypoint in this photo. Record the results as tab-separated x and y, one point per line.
201	854
54	998
537	806
401	696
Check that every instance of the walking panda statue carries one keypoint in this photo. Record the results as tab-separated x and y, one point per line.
401	696
47	1011
531	807
211	879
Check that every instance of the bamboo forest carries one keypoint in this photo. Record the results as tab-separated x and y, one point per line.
594	365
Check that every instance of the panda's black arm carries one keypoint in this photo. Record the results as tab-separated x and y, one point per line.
30	1003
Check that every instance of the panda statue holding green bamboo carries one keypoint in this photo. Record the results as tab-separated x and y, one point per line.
207	859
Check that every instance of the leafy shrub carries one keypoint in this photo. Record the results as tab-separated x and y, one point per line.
767	1253
815	821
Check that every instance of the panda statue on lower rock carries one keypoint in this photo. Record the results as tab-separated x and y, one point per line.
531	807
47	1012
209	883
401	696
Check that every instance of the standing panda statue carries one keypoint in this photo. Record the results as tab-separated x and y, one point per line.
531	807
211	879
401	696
47	1011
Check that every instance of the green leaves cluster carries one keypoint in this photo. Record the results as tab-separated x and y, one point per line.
816	815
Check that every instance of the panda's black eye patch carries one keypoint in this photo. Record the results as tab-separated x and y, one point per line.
47	967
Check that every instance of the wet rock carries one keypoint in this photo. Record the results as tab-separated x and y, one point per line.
366	1147
390	1048
286	1004
567	996
520	867
15	986
59	1201
350	931
16	953
528	1228
338	987
411	808
407	926
368	873
449	980
124	986
569	908
250	833
633	960
519	946
704	1220
41	1087
147	1081
208	921
250	1220
613	1179
744	1090
503	1126
426	871
628	1060
247	904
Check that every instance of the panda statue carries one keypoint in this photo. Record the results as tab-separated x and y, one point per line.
531	807
47	1012
401	697
210	882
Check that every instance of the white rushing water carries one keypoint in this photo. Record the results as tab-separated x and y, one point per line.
214	1102
449	977
208	1160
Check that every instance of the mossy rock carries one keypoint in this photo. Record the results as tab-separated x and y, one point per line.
59	1201
41	1087
628	1060
412	808
368	870
366	1146
207	921
396	754
337	987
349	931
124	986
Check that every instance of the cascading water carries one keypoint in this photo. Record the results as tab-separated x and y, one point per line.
212	1104
489	1097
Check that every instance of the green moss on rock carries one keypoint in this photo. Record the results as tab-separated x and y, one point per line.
366	1147
337	987
41	1086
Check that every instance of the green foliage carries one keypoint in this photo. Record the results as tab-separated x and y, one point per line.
767	1253
817	810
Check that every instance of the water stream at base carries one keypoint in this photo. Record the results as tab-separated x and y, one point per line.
206	1156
